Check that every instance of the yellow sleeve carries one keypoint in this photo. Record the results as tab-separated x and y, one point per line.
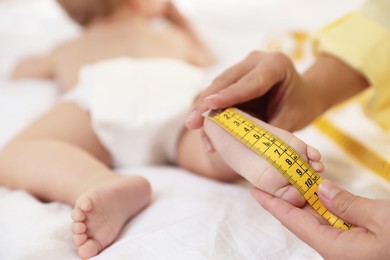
362	40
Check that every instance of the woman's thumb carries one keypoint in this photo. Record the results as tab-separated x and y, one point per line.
347	206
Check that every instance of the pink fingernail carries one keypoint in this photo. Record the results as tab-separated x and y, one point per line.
191	116
212	97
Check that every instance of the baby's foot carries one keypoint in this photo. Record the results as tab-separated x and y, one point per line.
254	168
101	212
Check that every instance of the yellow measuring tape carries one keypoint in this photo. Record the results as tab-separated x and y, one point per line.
280	155
365	156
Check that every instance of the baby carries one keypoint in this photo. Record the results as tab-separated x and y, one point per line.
123	112
117	28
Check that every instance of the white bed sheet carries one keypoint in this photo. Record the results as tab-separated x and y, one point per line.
191	217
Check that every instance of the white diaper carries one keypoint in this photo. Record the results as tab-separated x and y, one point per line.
138	106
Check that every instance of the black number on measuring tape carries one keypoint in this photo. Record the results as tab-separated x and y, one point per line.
236	123
227	116
246	129
256	136
309	182
299	172
289	162
277	151
347	225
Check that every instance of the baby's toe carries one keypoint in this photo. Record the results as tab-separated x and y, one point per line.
78	227
78	215
84	203
313	154
317	166
79	239
89	249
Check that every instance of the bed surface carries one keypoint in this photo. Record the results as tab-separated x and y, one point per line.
190	217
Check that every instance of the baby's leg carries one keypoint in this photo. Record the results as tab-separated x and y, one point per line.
254	168
192	155
60	158
242	160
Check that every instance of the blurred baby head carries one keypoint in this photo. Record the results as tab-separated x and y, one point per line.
85	11
150	8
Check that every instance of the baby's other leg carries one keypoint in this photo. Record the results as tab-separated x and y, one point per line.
254	168
60	158
192	155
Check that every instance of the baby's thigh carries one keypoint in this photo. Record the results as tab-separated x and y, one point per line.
69	123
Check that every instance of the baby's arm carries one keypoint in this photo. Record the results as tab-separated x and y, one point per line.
199	54
173	15
35	67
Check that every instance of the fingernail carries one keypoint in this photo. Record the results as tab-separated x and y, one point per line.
212	97
191	116
328	189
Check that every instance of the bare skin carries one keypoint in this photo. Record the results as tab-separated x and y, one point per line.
255	169
101	212
277	93
68	164
367	240
125	33
62	157
76	169
273	75
65	163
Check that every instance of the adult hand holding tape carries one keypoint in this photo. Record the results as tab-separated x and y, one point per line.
280	155
367	239
346	65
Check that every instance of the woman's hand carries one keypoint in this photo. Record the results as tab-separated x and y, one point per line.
267	84
369	239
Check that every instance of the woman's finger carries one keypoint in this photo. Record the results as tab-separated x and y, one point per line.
227	78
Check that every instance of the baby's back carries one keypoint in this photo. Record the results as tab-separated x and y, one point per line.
126	39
